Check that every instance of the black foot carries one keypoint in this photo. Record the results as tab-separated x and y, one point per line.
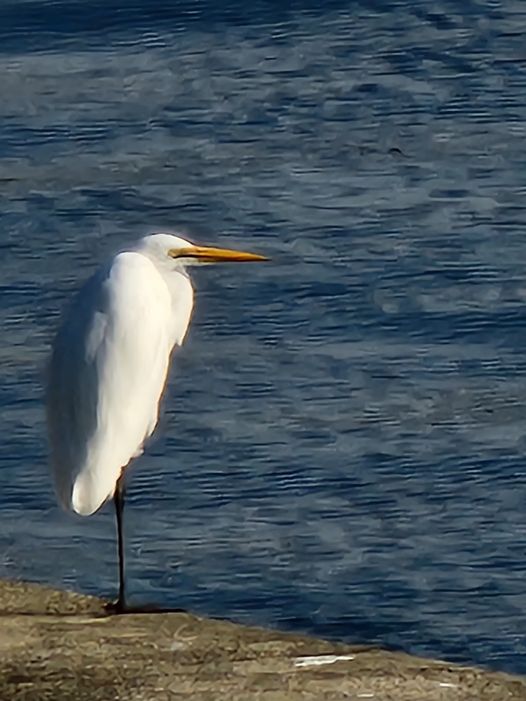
115	607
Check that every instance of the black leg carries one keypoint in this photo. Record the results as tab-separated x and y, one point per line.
118	499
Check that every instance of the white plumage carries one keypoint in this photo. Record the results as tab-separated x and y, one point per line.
108	370
110	362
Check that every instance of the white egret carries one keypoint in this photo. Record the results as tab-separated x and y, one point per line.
109	366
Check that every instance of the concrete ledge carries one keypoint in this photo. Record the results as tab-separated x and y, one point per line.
59	646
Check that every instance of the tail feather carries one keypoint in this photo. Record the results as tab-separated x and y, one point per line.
90	494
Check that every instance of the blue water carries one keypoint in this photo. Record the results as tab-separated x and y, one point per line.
342	443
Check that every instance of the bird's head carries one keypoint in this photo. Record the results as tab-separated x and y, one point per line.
171	249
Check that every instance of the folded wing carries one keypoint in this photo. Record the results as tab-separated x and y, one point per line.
106	376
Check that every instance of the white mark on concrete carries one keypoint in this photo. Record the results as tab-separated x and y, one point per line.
448	685
178	645
317	660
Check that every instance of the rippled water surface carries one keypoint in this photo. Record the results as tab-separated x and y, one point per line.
342	445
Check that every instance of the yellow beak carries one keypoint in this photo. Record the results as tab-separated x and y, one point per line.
208	254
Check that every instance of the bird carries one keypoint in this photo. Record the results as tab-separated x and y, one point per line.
108	367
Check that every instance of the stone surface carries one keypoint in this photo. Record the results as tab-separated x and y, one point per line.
60	646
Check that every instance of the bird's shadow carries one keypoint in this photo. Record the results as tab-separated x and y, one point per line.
113	609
